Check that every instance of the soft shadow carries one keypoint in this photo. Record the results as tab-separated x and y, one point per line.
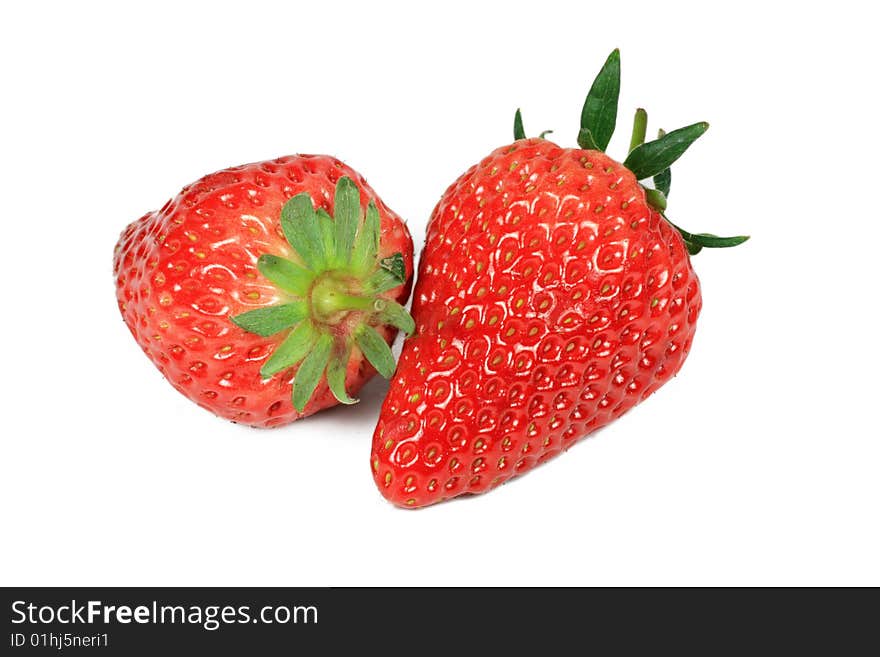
361	416
353	421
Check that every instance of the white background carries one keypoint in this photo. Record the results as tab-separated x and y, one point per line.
758	464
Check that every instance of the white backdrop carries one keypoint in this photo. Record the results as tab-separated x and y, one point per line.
758	464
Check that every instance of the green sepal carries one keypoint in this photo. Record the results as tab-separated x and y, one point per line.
391	312
376	350
292	350
328	235
285	274
586	141
655	198
272	319
310	371
599	114
301	229
518	131
663	180
366	244
653	157
336	372
334	272
693	249
708	240
390	274
346	213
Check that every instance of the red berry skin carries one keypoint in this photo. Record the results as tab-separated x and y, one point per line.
550	300
182	271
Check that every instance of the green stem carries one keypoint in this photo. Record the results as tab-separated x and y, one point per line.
640	129
336	302
330	296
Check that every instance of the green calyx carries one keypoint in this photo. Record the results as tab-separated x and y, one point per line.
333	288
647	160
653	160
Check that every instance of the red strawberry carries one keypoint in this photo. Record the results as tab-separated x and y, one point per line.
552	297
254	301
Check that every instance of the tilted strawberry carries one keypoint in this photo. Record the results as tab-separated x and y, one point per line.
259	290
552	297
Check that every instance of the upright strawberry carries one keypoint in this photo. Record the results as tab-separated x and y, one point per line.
260	290
553	295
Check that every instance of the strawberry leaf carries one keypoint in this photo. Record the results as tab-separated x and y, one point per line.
655	199
391	312
285	274
390	274
291	351
707	240
366	245
693	249
376	350
586	141
663	180
336	371
710	241
328	235
518	131
653	157
272	319
346	212
301	229
599	114
309	373
338	286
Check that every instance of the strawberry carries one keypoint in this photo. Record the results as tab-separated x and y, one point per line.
553	296
260	290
